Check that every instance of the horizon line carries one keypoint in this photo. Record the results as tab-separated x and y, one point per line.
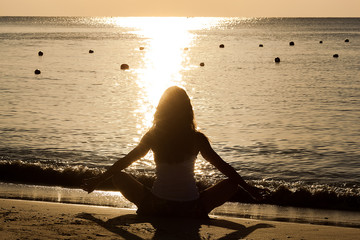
173	16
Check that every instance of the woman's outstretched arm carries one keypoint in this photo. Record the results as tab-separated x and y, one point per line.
212	157
138	152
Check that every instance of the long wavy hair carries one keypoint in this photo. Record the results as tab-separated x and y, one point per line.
174	125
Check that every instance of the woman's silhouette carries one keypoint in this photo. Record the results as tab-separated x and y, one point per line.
175	142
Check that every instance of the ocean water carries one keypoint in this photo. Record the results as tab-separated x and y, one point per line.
293	126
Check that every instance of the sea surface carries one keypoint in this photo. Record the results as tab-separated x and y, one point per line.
293	126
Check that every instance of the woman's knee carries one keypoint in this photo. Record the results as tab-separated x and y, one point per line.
228	185
222	189
130	188
233	185
218	194
120	179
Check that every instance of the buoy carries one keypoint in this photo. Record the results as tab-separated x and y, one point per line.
347	40
277	60
40	53
202	64
291	43
186	49
141	48
321	42
91	51
124	67
260	45
221	46
336	55
37	71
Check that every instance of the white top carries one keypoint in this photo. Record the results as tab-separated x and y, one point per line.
176	181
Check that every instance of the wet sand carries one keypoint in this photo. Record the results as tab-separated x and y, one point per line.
21	219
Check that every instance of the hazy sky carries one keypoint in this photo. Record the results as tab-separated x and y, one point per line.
231	8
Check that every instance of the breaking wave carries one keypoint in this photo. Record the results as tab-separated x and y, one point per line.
281	193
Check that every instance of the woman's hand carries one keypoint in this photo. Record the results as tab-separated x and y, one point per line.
90	184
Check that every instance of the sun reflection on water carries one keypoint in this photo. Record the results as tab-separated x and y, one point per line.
166	46
162	65
164	59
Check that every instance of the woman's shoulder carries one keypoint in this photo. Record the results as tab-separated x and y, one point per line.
148	137
200	135
201	138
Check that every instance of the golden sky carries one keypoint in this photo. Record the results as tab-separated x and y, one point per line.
189	8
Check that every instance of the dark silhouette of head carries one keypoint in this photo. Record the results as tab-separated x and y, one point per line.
174	111
174	126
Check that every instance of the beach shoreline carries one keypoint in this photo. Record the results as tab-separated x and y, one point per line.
229	209
24	219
